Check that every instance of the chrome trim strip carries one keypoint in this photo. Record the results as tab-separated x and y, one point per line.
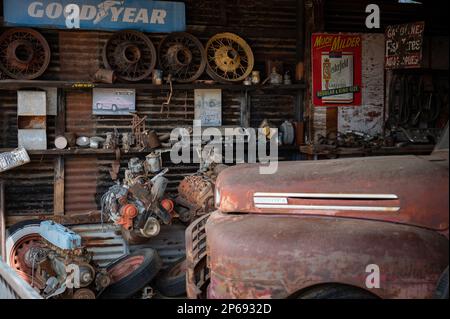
341	208
270	200
328	196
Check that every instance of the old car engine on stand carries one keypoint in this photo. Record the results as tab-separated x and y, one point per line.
139	205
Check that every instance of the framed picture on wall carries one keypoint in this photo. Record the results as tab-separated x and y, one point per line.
113	101
208	107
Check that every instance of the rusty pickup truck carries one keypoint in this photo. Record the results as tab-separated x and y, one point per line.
340	229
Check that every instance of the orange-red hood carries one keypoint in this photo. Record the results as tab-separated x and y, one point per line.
403	189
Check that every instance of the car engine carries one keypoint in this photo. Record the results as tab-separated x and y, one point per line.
139	205
62	267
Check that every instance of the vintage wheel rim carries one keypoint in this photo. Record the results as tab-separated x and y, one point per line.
182	55
18	252
229	58
24	54
131	54
125	267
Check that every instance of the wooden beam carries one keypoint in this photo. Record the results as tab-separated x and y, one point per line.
60	129
245	109
332	121
60	124
58	190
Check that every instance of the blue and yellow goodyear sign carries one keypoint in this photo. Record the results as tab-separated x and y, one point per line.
147	16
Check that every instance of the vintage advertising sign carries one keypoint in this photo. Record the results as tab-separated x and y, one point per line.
141	15
404	45
336	69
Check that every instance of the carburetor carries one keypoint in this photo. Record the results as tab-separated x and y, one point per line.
62	267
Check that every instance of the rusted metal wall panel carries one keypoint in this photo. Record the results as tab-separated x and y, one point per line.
368	118
8	119
79	118
102	240
29	188
81	177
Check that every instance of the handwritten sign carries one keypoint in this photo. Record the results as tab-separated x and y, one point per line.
404	45
208	107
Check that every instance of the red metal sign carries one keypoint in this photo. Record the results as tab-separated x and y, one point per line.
337	69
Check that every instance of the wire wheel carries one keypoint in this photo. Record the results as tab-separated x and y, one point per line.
131	54
182	55
229	57
24	54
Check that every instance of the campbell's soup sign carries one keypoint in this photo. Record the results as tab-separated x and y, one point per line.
147	16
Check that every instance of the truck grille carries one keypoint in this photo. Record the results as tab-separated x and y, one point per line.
198	274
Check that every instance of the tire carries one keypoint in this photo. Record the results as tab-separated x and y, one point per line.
99	106
129	285
18	231
442	287
114	108
172	282
337	292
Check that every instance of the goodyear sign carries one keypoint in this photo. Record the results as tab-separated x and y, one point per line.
141	15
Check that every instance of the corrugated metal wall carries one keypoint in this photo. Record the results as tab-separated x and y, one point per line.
268	26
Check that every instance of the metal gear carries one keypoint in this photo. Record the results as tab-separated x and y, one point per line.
182	55
24	54
131	54
229	58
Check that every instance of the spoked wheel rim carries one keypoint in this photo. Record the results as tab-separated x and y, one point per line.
131	54
229	58
24	54
182	55
125	268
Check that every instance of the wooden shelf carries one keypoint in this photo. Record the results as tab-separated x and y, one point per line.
73	85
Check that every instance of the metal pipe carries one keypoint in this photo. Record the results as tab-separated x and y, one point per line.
2	222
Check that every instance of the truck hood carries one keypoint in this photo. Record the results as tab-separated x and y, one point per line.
401	189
